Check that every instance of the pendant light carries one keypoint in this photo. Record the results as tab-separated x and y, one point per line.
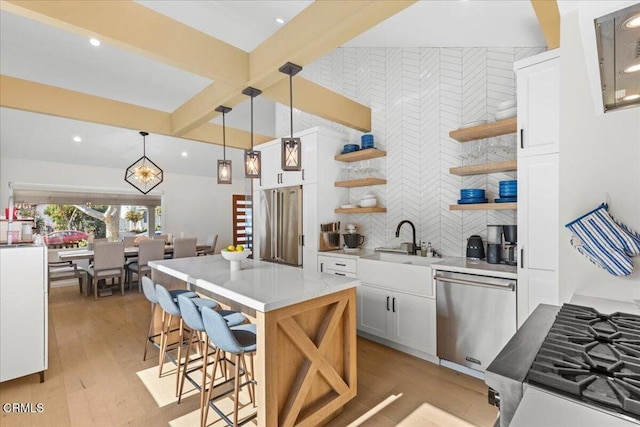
252	167
291	147
143	174
224	165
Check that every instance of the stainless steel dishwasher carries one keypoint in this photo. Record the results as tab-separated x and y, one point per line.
476	316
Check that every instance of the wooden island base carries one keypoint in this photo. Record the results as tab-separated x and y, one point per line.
306	368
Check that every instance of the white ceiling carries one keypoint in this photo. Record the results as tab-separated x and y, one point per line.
37	52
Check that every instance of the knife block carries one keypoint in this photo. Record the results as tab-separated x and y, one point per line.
329	241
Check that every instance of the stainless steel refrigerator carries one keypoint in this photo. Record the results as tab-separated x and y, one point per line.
280	225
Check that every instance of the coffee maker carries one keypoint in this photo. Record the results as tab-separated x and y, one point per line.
494	244
511	244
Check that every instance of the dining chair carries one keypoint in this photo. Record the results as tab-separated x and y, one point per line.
64	270
108	263
148	250
211	249
100	240
184	247
163	237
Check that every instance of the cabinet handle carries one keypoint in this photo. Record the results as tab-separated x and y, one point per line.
387	303
322	267
521	258
341	265
339	274
522	138
303	174
394	304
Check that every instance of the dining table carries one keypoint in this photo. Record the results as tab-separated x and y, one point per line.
129	252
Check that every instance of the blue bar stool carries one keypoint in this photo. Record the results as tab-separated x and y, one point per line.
170	306
149	289
237	341
190	309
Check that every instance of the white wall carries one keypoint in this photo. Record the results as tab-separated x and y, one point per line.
599	154
193	205
418	95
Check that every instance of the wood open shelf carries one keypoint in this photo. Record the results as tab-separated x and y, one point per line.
356	156
483	206
375	209
492	167
364	182
486	130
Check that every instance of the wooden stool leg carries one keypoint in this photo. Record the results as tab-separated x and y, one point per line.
146	342
186	365
178	360
236	389
166	325
211	386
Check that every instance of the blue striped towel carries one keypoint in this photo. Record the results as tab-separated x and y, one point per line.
607	243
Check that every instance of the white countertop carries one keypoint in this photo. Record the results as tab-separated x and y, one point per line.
470	266
263	286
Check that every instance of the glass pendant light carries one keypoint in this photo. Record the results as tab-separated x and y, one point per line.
143	174
252	167
291	147
224	165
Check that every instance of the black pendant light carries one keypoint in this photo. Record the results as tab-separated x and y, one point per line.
291	147
224	165
252	167
143	174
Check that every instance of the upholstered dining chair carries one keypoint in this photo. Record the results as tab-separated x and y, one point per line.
129	241
211	249
149	250
163	237
108	263
184	247
64	270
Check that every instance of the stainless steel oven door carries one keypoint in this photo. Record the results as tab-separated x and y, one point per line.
476	317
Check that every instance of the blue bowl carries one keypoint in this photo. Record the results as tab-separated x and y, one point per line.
366	145
509	183
472	201
471	192
506	199
508	192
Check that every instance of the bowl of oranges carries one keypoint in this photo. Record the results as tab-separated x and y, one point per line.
235	254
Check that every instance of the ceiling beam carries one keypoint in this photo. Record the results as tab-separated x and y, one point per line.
44	99
549	20
312	98
317	30
133	27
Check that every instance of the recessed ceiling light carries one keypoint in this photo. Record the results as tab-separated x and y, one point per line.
185	154
633	22
280	20
631	97
94	42
77	139
632	69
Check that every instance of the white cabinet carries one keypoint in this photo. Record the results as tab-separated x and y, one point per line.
538	181
319	197
23	312
538	91
403	318
339	266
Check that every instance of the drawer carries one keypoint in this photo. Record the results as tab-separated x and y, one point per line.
340	273
339	264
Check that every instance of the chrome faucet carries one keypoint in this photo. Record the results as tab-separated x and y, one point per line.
413	228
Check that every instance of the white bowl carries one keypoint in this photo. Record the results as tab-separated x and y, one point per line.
505	114
235	256
368	196
368	203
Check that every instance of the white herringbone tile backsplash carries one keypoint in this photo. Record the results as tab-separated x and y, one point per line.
418	95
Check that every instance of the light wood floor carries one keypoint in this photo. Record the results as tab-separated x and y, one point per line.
96	377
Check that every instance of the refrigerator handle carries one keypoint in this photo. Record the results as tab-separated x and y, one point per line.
274	224
280	224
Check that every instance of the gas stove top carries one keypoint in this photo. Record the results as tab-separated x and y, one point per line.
592	357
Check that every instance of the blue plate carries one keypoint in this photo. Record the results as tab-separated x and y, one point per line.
471	191
367	145
472	201
506	200
474	194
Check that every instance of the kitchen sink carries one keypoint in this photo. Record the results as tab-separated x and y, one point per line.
408	273
399	258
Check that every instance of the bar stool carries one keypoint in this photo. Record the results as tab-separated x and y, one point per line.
190	309
237	341
170	306
149	289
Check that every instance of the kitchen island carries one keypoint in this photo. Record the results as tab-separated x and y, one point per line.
306	322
